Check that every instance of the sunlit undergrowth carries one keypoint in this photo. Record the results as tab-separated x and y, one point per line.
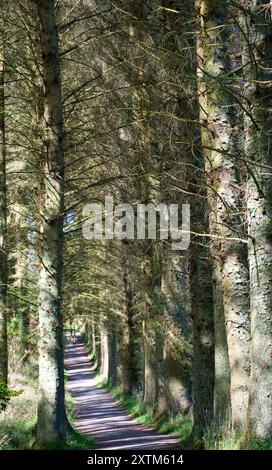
17	422
179	425
225	440
74	441
265	445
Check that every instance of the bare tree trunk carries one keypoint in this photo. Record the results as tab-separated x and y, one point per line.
257	54
203	340
152	332
94	341
126	341
150	397
3	226
104	347
112	380
108	355
98	357
222	401
24	332
176	393
52	422
218	137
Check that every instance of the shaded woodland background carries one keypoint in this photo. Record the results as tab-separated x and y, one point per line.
148	101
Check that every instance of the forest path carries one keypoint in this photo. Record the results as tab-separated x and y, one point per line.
99	416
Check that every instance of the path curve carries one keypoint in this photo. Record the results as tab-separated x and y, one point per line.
99	416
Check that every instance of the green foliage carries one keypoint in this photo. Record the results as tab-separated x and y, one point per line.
17	422
262	445
13	326
74	441
5	395
70	407
179	424
226	440
17	434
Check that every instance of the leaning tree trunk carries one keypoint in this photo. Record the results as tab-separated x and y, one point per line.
3	228
218	137
257	59
52	422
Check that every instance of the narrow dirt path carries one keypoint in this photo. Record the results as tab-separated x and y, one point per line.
99	416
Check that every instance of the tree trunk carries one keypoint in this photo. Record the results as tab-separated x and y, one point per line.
126	341
24	332
257	53
218	137
52	422
222	402
152	330
176	393
203	342
98	358
93	340
104	345
150	397
147	191
112	380
108	355
3	227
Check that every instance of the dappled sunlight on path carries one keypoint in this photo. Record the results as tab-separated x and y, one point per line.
99	416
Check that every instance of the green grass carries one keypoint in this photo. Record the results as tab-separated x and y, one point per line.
226	440
74	441
230	441
179	425
252	443
264	445
17	422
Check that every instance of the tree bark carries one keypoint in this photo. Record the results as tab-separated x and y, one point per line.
152	331
222	401
108	355
176	393
148	192
52	422
203	341
218	137
3	226
126	341
257	53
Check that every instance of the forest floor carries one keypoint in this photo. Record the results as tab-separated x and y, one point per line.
99	416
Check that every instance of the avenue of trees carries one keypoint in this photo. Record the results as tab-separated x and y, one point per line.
147	101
